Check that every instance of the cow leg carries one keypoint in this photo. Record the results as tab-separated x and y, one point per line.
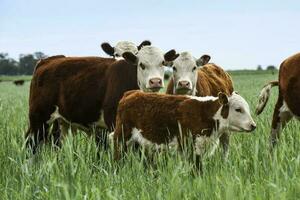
56	134
281	117
101	138
224	141
37	133
120	137
199	145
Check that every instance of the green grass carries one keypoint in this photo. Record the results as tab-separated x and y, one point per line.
76	172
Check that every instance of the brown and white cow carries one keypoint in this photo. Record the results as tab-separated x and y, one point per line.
197	77
122	47
287	105
85	91
158	120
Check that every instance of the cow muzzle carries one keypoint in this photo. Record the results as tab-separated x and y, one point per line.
155	84
183	87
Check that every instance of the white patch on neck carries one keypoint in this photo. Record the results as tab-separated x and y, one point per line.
203	99
119	58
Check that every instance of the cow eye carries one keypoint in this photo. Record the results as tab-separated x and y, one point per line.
194	68
116	55
238	110
142	66
174	69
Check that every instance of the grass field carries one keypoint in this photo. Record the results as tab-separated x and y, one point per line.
75	171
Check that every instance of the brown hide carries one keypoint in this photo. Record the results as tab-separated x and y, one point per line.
81	87
211	80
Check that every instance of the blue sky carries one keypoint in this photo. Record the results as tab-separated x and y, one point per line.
237	34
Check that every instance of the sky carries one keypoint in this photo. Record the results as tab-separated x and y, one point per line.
236	34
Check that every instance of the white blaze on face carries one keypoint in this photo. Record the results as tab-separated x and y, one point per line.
185	74
239	118
150	67
125	46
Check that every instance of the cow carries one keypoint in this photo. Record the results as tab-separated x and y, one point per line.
85	91
287	105
158	120
19	82
197	77
122	47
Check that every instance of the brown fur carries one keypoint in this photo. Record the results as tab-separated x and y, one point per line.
81	87
44	60
158	115
212	79
289	91
289	83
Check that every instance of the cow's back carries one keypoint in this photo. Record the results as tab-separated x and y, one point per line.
212	79
74	84
289	82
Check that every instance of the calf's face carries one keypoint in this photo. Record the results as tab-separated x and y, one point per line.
236	113
150	71
185	72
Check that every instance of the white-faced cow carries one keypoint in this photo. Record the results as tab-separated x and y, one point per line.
196	77
122	47
85	91
287	105
153	120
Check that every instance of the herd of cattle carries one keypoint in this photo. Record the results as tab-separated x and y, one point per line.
119	94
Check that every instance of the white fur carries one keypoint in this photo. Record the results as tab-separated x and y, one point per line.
203	99
184	65
152	58
138	137
125	46
236	121
263	97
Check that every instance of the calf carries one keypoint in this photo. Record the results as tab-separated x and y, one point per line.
122	47
287	105
85	91
195	77
154	119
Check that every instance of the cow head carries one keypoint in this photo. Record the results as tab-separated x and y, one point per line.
234	113
185	72
150	71
123	46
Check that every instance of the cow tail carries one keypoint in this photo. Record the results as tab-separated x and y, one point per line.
264	96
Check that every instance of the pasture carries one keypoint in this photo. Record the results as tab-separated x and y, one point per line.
76	171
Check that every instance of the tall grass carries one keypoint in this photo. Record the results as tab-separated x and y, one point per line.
76	171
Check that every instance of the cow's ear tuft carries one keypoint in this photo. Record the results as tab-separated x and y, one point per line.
107	48
223	99
203	60
170	55
130	58
144	43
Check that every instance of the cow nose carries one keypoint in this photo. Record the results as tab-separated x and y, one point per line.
155	83
184	84
253	127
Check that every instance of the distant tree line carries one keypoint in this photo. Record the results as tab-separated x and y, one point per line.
269	67
24	66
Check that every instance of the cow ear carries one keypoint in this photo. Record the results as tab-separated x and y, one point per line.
144	43
108	49
130	58
170	55
223	99
203	60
